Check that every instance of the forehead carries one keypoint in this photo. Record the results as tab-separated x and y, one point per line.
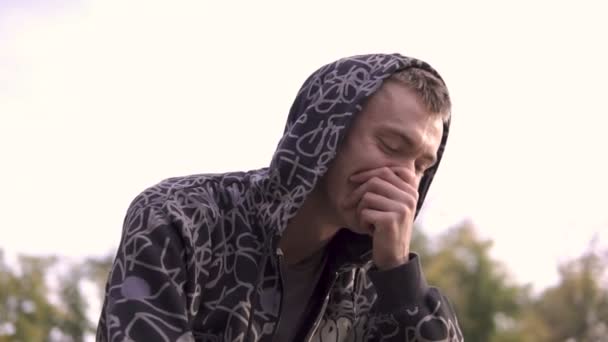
396	106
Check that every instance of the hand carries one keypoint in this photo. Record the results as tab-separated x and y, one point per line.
386	205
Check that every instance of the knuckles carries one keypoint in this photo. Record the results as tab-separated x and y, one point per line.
374	183
386	171
403	210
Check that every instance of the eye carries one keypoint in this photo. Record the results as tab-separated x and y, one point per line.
390	146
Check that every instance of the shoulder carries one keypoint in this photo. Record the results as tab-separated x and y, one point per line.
199	196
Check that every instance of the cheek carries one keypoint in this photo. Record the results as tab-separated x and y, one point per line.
356	155
336	182
363	156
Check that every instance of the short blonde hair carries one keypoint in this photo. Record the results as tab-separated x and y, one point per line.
430	88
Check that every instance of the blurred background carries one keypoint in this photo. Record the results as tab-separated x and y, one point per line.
100	99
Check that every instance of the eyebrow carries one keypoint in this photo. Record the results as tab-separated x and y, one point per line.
431	157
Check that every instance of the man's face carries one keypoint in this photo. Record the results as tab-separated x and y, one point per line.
393	130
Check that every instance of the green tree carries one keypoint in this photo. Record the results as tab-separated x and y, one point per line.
26	313
97	270
73	321
576	308
486	301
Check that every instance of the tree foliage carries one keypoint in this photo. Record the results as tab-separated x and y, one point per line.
32	310
490	307
459	263
576	309
37	303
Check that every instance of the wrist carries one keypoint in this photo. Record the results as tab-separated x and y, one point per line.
391	262
400	287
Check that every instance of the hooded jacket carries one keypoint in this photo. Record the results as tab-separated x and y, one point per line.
198	258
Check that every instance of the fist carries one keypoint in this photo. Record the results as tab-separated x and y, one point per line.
385	201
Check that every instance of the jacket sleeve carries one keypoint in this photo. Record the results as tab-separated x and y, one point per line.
149	294
407	309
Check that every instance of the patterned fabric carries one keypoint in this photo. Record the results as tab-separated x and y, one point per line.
198	258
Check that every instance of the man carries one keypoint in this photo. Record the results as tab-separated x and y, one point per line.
313	248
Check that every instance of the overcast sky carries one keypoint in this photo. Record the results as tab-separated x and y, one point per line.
100	99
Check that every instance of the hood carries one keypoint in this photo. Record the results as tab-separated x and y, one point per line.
319	119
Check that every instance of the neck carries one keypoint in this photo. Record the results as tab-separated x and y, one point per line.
307	232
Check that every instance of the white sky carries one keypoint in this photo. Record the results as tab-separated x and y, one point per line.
102	98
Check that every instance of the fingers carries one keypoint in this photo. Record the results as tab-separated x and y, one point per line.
383	188
394	211
406	175
395	175
370	220
383	182
385	206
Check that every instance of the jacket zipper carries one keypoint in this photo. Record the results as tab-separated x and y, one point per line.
317	321
280	264
255	297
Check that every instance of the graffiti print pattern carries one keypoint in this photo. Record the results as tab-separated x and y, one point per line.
197	258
